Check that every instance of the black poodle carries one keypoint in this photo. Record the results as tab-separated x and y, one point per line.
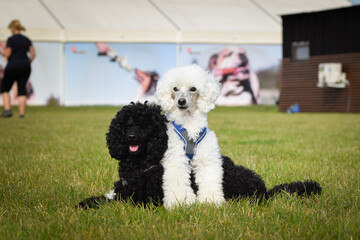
137	138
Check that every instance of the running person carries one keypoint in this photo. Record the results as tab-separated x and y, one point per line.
18	67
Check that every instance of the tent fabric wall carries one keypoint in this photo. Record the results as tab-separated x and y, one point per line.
146	22
40	25
170	21
46	74
93	79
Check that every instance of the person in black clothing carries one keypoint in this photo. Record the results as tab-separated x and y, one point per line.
18	67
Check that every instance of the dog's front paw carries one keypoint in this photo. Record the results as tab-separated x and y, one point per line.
172	201
92	202
217	199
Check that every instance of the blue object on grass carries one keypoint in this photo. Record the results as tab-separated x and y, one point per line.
295	108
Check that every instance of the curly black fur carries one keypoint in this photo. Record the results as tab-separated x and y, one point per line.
240	182
141	173
92	202
301	188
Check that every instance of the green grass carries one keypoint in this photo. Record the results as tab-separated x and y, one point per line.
57	156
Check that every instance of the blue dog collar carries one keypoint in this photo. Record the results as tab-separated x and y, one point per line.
189	144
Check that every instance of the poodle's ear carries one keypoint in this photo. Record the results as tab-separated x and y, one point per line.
208	93
114	140
163	92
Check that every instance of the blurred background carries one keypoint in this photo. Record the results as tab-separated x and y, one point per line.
111	52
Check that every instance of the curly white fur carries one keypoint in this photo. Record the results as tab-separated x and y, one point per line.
200	90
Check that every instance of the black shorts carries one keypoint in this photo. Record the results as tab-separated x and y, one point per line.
20	75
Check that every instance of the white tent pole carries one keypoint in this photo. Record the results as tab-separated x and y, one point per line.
62	74
178	49
178	34
178	55
62	53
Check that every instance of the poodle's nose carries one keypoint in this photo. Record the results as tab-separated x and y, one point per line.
132	137
182	101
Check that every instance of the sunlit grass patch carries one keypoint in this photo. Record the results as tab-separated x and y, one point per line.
57	156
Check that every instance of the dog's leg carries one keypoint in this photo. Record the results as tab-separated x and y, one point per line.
302	188
208	177
207	164
176	182
92	202
176	179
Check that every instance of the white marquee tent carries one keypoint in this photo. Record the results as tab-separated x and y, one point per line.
57	25
163	21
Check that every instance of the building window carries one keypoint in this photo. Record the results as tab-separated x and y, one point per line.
300	51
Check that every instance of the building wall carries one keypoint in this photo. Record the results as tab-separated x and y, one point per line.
328	32
299	79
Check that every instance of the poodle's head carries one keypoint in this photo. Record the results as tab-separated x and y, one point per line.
186	88
138	133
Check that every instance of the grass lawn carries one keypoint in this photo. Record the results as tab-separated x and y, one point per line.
57	156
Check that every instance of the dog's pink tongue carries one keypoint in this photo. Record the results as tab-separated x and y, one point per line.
134	148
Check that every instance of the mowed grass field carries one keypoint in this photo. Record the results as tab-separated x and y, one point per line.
57	156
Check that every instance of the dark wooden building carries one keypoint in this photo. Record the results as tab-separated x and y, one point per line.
331	36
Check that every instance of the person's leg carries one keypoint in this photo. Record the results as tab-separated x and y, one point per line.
14	91
6	85
21	83
22	105
6	100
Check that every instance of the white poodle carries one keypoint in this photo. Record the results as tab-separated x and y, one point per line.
186	94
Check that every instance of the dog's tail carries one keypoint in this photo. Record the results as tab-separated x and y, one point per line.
301	188
92	202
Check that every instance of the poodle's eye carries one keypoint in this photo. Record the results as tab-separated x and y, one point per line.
176	89
192	89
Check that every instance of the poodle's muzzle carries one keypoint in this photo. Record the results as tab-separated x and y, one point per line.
134	137
182	103
184	97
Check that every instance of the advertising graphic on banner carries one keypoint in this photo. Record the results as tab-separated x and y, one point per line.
113	74
118	73
248	73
